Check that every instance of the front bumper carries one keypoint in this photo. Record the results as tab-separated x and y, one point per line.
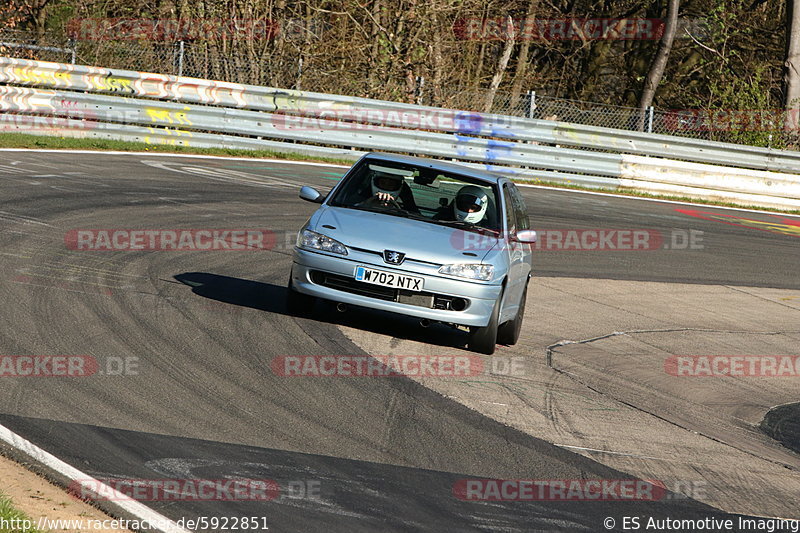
482	297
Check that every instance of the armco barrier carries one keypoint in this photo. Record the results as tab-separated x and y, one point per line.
250	123
393	114
89	129
158	109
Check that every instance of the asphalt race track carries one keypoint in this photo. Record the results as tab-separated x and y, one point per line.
201	328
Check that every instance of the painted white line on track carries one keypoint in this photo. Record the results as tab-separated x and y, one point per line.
163	154
290	162
122	501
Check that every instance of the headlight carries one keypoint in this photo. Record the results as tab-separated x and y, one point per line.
481	272
317	241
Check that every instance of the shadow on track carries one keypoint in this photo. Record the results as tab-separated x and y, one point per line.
348	495
272	299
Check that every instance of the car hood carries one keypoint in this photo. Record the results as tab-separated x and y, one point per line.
419	240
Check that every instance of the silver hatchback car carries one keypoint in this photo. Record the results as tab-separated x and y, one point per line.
424	238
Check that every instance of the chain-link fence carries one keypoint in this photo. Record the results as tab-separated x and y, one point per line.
768	128
42	47
263	64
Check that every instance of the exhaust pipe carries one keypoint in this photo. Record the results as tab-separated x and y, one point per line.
341	307
424	322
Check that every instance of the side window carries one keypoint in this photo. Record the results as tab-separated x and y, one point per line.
509	208
520	211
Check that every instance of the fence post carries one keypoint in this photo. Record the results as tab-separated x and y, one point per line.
418	90
72	50
650	119
299	73
180	59
531	103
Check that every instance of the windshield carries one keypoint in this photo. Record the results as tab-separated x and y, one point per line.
407	190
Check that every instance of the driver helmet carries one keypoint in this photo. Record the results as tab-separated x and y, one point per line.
471	203
387	183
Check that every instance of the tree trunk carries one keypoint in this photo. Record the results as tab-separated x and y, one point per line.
792	73
522	60
375	66
438	63
501	66
659	61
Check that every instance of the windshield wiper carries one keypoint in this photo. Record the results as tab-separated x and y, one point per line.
464	225
397	212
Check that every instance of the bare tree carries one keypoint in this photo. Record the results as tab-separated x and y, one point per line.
659	63
522	60
501	66
792	65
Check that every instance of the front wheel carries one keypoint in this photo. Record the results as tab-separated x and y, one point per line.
297	303
508	332
484	339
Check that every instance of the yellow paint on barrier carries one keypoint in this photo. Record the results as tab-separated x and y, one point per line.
182	118
159	115
63	76
118	84
168	117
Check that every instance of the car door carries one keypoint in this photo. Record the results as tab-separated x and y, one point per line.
518	267
523	223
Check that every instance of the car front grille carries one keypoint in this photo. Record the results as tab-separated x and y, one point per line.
343	283
420	299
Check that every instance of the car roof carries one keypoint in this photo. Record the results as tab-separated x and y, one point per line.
438	165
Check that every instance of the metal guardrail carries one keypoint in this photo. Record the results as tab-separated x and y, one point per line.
204	113
261	124
393	114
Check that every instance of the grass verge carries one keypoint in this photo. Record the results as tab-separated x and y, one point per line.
21	140
11	516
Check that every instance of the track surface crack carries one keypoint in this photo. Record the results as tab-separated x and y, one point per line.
551	348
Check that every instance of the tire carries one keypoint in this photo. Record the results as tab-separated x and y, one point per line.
508	332
484	339
298	304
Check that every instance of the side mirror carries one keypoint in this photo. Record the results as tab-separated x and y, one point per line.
311	194
526	235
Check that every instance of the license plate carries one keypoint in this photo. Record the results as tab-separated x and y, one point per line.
388	279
